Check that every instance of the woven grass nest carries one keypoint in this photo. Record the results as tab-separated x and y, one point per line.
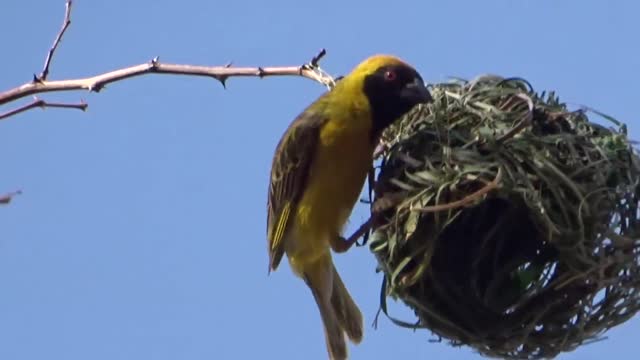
506	222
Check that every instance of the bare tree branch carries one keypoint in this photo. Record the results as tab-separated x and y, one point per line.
220	73
43	104
47	62
40	84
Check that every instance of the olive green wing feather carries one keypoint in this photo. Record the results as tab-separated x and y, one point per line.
289	173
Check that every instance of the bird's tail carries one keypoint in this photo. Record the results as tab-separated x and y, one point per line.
338	311
346	310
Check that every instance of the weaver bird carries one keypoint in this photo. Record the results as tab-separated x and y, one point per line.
318	171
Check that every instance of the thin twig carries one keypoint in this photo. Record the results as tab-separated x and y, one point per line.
43	104
65	24
6	198
220	73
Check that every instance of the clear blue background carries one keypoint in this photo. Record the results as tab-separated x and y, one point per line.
141	230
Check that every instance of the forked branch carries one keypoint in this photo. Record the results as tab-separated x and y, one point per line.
41	84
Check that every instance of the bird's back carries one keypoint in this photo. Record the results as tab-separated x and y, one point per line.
341	162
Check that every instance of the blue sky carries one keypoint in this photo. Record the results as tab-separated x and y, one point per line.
141	230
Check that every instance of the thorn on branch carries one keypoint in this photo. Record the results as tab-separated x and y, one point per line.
316	59
313	71
223	81
260	72
153	64
228	65
95	87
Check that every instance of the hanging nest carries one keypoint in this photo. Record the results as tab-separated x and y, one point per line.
506	222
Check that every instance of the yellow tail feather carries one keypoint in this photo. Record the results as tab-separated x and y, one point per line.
347	312
338	311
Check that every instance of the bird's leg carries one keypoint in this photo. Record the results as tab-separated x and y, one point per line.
339	244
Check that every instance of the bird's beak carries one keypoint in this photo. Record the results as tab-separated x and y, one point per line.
416	92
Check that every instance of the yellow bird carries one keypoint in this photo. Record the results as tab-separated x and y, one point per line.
318	171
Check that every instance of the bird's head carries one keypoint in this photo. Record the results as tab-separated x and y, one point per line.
391	86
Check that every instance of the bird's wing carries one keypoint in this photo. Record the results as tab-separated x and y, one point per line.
289	173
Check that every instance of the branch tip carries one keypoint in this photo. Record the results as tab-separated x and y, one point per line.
6	198
65	24
39	103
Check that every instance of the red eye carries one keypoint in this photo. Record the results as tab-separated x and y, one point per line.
390	75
